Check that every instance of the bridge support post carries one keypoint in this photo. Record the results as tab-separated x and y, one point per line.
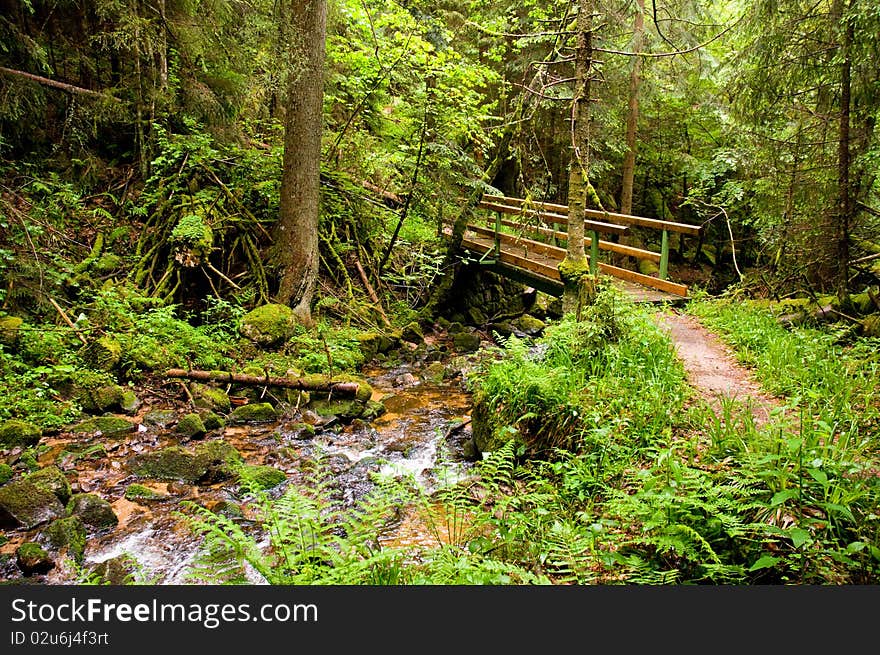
497	235
664	255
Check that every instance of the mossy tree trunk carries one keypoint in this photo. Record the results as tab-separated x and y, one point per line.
296	232
575	268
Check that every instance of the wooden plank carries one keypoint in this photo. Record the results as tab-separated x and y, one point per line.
547	217
528	245
647	280
608	217
610	246
508	257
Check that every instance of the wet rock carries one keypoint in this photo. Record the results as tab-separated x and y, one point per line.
212	398
261	477
208	462
19	433
228	509
254	413
160	418
455	327
119	570
373	410
130	403
503	329
405	380
191	426
53	480
6	473
268	325
466	342
343	408
94	511
25	505
299	431
477	316
33	560
435	373
106	426
69	533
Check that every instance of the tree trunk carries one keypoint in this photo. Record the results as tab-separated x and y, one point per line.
844	200
296	232
575	267
632	117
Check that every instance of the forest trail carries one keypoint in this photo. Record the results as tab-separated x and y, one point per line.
711	367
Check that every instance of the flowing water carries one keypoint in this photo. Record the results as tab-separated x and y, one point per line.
407	439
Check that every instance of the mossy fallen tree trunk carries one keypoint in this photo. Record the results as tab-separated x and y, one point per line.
308	383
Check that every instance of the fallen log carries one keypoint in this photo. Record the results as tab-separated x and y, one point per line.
310	383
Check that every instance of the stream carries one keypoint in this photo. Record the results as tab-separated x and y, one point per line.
409	437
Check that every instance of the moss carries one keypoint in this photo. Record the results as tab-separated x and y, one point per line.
228	509
254	413
68	533
51	479
571	271
32	559
19	433
103	354
138	492
107	263
93	510
107	426
5	473
119	570
25	505
210	461
261	477
208	397
9	329
191	427
130	402
268	325
105	399
160	418
365	390
413	333
530	325
435	373
369	342
211	420
192	240
342	408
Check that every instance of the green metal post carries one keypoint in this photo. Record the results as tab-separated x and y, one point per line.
594	252
664	255
497	235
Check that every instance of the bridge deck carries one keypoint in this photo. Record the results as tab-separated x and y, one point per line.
537	265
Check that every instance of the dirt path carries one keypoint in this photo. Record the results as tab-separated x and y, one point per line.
711	367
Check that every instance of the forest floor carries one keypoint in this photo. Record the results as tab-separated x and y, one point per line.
712	369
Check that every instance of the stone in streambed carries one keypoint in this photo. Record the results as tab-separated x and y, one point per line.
33	560
68	533
94	511
25	505
53	480
19	433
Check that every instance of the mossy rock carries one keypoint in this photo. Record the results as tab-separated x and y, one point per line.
871	326
6	473
68	533
139	493
228	509
117	571
130	403
268	325
103	354
503	329
106	398
254	413
212	420
365	390
25	505
32	559
368	342
412	333
19	433
191	426
466	342
300	431
210	461
261	477
435	373
105	426
94	511
10	327
107	263
477	316
343	408
51	479
192	240
372	410
208	397
530	325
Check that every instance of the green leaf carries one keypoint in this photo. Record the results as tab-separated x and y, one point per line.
781	496
799	537
765	562
819	476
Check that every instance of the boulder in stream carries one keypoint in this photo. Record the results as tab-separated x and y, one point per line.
32	559
19	433
51	479
254	413
94	511
69	533
211	461
25	505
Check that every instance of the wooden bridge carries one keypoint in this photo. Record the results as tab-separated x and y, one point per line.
530	248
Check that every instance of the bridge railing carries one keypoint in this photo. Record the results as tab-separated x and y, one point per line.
549	215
